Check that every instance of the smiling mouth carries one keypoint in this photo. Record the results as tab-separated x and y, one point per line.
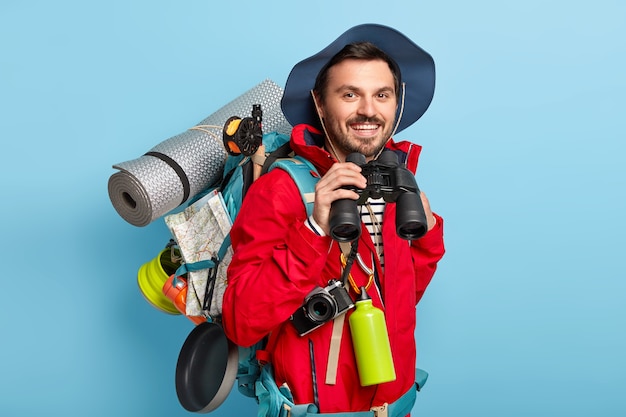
365	128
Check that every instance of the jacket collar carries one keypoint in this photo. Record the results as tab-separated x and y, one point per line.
308	142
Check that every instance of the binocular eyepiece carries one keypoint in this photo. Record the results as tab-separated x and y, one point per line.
386	179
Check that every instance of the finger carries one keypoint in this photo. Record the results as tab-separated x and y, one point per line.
341	175
430	218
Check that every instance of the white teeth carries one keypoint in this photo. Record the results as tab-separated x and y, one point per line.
365	127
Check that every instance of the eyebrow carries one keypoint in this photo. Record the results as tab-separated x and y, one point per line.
350	87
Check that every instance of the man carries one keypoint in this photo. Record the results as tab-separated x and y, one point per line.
350	97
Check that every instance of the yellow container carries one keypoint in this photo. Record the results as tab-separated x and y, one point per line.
371	343
152	276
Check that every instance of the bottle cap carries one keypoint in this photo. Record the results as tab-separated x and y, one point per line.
364	296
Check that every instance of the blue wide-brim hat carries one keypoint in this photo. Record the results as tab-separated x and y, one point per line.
417	70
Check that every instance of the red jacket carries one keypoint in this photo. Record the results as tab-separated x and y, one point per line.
278	260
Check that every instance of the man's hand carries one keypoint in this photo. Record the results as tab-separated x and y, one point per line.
329	188
430	219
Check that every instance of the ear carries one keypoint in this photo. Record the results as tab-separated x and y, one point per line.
400	96
318	104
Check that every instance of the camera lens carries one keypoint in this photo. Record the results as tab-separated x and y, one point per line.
320	308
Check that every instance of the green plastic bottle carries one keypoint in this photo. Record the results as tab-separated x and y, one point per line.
371	343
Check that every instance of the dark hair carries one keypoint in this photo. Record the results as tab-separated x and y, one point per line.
359	50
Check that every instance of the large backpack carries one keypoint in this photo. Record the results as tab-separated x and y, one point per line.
209	363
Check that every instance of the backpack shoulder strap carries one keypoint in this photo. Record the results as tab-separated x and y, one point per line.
283	151
303	174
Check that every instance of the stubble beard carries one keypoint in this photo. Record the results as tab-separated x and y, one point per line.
369	147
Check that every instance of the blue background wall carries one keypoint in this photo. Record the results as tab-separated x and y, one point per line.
523	156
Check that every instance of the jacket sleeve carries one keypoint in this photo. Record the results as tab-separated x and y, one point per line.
276	262
426	253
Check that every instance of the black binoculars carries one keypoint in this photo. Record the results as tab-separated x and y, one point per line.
386	179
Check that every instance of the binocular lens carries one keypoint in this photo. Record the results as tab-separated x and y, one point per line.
345	221
411	231
346	233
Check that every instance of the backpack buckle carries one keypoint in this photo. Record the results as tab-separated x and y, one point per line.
381	411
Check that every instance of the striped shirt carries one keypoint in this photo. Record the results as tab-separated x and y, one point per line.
372	217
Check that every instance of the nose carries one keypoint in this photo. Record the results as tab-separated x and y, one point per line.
366	107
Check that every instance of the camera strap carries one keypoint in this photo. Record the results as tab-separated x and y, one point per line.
349	251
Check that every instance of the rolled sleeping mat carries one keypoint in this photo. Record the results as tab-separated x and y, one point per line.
182	166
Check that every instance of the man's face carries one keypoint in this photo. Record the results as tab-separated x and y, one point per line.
359	106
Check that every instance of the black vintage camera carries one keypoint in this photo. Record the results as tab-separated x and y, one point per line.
320	306
389	180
